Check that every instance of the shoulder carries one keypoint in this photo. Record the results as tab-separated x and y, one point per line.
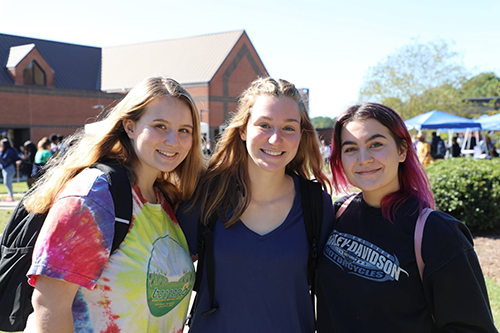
444	237
346	199
92	186
442	225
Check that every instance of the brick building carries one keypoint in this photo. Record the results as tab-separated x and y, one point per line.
51	87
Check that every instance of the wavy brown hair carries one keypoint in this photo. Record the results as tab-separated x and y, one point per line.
108	140
225	187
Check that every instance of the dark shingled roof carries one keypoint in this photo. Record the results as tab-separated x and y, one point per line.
76	67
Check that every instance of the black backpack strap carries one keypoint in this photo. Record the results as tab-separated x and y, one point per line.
205	254
209	257
312	210
121	191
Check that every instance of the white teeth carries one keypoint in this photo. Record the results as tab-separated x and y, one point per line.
272	153
166	154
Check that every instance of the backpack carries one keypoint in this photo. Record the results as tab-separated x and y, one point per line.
419	232
19	237
312	209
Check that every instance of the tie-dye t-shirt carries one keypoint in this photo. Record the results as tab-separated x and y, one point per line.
145	285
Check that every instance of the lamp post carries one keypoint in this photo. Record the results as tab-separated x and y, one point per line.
102	113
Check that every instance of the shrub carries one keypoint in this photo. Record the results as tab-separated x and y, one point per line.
468	190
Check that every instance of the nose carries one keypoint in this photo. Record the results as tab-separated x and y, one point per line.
365	156
275	137
171	138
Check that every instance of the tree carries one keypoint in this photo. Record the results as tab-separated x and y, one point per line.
322	122
486	86
482	85
417	78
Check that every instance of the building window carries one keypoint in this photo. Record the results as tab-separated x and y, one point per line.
34	74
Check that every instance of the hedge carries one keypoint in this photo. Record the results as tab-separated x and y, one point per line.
468	190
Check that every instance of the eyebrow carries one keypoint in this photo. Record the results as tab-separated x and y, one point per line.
374	136
168	122
289	120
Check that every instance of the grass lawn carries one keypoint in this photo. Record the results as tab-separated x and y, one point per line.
494	294
20	187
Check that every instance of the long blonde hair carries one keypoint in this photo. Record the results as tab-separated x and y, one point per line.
225	185
109	141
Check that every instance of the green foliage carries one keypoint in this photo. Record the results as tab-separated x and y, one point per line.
417	78
482	85
468	190
322	122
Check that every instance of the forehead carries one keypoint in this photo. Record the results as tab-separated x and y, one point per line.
363	129
275	108
169	109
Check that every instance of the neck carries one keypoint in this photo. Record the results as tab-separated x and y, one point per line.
371	200
267	186
145	182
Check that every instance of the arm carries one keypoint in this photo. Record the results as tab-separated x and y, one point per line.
454	285
52	301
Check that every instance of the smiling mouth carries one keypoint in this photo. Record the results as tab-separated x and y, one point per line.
367	172
272	153
166	154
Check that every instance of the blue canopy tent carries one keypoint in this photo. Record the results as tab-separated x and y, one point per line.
489	123
439	120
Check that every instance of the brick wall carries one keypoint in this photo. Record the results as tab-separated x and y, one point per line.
35	112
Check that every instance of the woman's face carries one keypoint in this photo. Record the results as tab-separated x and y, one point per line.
370	158
163	136
272	134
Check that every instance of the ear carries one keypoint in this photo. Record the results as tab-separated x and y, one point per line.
129	127
243	133
402	154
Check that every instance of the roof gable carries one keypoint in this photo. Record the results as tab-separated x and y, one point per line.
75	67
20	57
188	60
17	54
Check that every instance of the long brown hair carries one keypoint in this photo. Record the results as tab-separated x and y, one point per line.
225	185
108	140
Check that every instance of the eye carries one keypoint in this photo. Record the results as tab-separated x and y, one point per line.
264	125
349	150
376	145
185	130
289	129
161	126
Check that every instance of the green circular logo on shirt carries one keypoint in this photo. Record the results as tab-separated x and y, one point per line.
169	279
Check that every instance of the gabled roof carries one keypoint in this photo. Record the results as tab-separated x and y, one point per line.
75	67
17	53
190	60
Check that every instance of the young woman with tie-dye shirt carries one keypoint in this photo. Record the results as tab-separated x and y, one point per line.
145	285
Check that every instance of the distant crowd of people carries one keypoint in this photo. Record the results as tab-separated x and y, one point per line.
437	148
29	158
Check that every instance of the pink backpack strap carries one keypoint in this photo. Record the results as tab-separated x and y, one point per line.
344	206
419	233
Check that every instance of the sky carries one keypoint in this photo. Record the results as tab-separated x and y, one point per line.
326	46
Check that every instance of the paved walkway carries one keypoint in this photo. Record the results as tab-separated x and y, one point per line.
8	205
